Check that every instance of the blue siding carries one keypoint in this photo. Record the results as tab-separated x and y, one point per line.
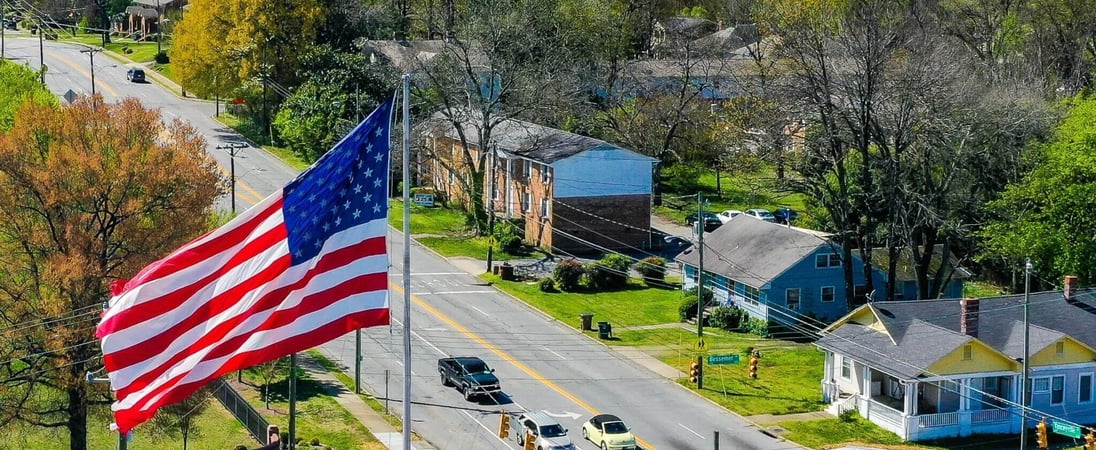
1070	406
603	171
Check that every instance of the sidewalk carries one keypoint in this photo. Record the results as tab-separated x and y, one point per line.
388	435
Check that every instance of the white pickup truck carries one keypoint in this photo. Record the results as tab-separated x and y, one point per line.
543	431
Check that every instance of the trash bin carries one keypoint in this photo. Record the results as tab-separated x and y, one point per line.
587	321
604	330
506	272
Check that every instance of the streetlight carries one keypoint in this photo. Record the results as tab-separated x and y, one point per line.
91	54
232	149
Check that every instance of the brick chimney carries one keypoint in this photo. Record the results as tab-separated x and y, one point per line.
1070	287
968	316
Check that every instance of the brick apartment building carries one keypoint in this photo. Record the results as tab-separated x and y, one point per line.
575	194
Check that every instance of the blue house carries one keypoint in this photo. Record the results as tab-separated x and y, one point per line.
775	271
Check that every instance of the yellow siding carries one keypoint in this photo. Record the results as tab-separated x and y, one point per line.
863	316
1072	352
983	359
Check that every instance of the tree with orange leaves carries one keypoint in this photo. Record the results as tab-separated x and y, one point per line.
87	192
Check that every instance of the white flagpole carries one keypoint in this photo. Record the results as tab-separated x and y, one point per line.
406	262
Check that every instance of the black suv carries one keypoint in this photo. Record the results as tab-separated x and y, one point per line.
711	221
135	75
470	375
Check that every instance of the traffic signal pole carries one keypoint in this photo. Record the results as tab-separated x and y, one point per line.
700	288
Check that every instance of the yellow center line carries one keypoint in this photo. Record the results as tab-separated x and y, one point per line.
506	357
82	70
255	196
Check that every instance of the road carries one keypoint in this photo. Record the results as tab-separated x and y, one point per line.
543	364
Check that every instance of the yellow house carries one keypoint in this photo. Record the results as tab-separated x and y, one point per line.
931	369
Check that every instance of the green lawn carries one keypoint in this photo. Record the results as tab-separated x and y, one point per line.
831	433
637	305
739	191
215	429
318	415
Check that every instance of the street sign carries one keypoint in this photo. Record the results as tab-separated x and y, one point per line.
719	360
424	200
700	345
1066	429
70	96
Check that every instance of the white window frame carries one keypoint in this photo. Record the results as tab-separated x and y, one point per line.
835	260
1091	387
846	368
1036	381
1063	389
526	199
544	207
822	294
788	298
821	261
526	168
545	174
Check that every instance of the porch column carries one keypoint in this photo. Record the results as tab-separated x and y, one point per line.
911	398
865	384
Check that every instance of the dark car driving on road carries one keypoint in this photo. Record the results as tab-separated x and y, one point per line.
470	375
135	75
711	221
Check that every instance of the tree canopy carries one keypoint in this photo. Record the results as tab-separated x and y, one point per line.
89	193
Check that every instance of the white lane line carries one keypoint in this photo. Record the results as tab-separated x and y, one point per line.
479	310
691	431
554	353
454	292
419	337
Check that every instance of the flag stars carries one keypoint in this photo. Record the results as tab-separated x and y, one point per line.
368	197
377	208
376	182
338	221
326	227
346	205
369	172
357	188
357	213
378	157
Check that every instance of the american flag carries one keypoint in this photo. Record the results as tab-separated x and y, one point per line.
304	266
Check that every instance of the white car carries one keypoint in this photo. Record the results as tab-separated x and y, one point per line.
762	214
729	214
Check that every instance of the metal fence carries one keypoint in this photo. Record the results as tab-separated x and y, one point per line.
248	416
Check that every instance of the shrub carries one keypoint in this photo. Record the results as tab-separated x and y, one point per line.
652	268
568	274
547	284
687	310
162	58
727	317
610	272
756	326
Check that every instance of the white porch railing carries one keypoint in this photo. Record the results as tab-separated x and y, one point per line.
990	416
938	420
848	404
884	413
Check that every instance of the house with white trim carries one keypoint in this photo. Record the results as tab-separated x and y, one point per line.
929	369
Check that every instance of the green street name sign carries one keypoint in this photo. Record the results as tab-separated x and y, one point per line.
1065	429
718	360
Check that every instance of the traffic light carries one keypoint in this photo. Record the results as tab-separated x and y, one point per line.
504	425
694	372
1041	434
530	440
753	365
1090	440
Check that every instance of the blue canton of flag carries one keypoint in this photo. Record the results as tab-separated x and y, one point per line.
346	187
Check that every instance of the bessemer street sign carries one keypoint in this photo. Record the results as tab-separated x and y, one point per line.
718	360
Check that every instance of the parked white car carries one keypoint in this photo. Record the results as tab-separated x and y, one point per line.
729	214
762	214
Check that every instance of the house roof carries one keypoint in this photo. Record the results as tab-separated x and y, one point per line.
156	3
687	26
752	251
407	56
517	138
904	268
730	38
902	335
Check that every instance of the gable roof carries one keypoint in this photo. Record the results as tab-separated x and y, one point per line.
406	56
730	38
517	138
908	337
753	251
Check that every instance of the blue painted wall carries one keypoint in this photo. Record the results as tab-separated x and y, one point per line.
603	171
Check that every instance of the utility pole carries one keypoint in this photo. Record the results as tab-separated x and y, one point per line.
700	289
92	379
159	27
232	150
1027	350
491	209
42	55
91	54
3	27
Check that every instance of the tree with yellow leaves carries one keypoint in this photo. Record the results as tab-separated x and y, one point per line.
87	192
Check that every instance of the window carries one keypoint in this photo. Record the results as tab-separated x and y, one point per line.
752	295
827	260
846	368
545	174
544	207
1057	389
827	293
1040	385
792	298
525	202
1059	348
860	294
1084	394
526	168
968	352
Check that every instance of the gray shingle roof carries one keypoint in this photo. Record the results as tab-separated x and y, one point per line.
753	251
1000	326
